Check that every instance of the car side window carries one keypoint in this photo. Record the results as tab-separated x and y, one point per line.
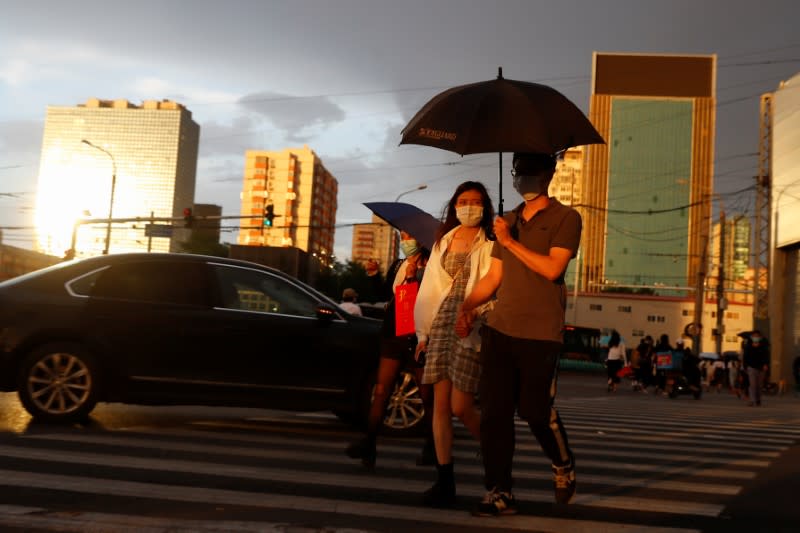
183	283
250	290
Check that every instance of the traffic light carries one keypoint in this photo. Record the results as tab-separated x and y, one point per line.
188	218
269	215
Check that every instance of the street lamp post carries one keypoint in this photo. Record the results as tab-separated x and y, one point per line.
421	187
113	187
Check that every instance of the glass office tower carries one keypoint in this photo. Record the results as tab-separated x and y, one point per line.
647	192
146	153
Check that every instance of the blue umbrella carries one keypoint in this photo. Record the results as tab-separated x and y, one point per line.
409	218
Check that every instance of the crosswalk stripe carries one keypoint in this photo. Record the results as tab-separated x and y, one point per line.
323	505
649	440
293	454
720	426
715	428
526	442
362	481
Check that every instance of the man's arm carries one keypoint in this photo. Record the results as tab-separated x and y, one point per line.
550	266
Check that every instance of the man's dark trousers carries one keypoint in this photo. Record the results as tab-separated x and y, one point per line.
518	373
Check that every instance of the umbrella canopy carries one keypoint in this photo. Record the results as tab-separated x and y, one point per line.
409	218
500	115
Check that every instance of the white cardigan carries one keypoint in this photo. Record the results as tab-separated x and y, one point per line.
436	284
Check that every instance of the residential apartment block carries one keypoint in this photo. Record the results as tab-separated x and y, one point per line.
302	194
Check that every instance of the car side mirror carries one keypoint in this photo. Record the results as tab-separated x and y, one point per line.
326	312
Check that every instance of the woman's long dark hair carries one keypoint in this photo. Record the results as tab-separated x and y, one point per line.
449	218
615	339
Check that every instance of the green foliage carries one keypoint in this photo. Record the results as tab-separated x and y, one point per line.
202	244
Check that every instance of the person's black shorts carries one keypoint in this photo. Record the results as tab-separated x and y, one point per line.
399	348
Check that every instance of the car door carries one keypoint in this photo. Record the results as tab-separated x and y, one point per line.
274	341
152	317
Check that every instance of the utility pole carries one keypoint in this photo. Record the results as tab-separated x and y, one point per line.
763	218
722	303
699	293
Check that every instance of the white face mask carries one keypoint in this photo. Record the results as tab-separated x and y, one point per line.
469	215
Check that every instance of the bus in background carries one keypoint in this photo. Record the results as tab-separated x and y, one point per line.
582	344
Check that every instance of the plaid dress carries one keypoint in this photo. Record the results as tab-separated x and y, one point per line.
447	356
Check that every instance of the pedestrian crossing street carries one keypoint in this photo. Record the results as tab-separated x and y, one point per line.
647	465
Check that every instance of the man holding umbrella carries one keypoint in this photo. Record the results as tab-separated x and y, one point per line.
522	342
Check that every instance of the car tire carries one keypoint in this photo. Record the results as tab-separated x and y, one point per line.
405	412
58	382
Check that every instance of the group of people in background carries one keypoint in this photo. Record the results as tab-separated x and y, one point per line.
489	318
746	378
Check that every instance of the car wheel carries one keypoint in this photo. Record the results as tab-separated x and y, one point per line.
58	382
405	410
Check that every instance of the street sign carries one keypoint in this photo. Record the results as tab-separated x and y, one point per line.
158	230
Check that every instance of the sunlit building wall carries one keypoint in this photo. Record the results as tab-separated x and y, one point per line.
567	181
378	241
303	194
153	147
784	271
648	190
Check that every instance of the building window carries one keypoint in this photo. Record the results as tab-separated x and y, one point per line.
624	308
686	312
595	307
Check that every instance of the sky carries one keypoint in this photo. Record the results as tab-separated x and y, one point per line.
345	76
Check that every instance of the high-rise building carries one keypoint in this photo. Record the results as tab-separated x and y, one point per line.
377	240
568	178
145	156
647	192
735	259
302	194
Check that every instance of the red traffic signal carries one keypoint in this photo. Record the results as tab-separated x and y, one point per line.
188	218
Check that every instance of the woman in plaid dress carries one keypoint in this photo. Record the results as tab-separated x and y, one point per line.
460	257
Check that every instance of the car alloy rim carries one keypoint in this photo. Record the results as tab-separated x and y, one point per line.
405	408
59	383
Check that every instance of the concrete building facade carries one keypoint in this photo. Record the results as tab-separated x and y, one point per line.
784	264
146	154
635	316
376	240
303	195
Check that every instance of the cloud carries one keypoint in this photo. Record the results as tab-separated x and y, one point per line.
20	138
300	117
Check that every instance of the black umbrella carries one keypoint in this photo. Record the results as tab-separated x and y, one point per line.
500	115
409	218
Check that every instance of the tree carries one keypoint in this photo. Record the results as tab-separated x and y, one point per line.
203	244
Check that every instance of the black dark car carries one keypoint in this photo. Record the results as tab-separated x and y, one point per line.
179	329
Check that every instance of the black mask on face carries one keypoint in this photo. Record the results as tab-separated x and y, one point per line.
531	187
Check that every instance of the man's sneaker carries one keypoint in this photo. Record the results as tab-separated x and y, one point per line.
564	482
496	503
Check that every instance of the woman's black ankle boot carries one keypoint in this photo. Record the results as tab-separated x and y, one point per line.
363	449
443	492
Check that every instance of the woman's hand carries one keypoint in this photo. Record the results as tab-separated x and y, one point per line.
464	322
411	270
421	347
